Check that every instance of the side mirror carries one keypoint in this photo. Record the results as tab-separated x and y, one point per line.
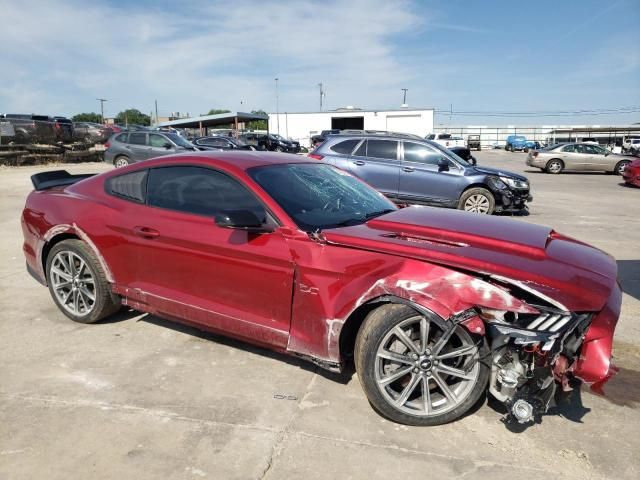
443	165
242	220
168	146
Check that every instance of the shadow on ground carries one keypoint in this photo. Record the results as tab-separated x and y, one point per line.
128	314
629	277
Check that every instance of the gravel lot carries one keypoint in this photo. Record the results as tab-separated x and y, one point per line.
140	397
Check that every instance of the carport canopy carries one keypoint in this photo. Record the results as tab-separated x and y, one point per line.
206	121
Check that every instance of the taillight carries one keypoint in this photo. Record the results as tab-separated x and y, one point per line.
107	145
315	156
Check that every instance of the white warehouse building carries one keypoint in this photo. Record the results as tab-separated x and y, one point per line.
303	125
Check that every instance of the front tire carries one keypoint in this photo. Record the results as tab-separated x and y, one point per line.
477	200
78	284
417	370
121	161
620	166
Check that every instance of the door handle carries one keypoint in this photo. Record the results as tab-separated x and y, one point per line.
408	169
359	162
146	232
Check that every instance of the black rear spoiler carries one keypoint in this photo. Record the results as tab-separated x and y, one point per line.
56	178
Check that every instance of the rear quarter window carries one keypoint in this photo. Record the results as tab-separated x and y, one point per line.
131	186
122	137
345	147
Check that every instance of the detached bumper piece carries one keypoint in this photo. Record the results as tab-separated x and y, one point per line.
513	200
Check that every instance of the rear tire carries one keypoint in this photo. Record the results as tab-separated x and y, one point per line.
554	166
414	379
477	200
78	284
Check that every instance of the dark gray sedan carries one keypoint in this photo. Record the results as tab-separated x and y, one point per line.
130	147
409	170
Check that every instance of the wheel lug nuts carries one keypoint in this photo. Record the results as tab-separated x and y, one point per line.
414	356
427	351
415	370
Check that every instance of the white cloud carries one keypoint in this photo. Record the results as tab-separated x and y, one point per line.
57	57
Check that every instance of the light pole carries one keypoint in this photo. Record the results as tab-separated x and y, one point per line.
102	100
277	108
321	95
404	96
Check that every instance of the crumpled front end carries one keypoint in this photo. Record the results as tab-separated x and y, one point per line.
534	354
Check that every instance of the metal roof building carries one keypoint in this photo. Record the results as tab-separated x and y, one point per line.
205	122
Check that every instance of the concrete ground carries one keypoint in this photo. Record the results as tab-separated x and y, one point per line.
140	397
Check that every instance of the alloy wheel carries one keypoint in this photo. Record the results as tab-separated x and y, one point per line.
477	204
555	167
621	167
121	162
73	283
426	369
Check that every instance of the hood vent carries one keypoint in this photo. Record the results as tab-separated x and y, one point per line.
429	240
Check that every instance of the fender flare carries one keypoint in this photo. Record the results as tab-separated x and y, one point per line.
73	229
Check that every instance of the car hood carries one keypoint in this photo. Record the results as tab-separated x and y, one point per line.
501	173
576	275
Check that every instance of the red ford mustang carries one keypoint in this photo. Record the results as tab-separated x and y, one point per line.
631	173
433	306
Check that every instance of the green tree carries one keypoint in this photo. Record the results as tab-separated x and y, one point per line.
87	117
258	124
216	111
134	116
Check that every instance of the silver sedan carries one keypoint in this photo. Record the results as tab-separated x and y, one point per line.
584	157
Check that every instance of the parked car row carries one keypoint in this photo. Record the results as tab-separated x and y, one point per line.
47	130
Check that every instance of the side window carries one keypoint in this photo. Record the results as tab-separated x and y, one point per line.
362	150
592	150
131	186
157	141
138	138
415	152
198	190
345	147
569	149
122	137
387	149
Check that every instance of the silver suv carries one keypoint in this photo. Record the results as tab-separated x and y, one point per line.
130	147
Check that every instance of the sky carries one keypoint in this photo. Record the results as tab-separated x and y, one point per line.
483	61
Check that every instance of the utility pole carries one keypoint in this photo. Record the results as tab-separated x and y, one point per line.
277	108
404	96
102	100
156	112
321	95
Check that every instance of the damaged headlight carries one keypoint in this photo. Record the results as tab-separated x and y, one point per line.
497	184
514	183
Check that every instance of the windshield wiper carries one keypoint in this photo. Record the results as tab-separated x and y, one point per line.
371	215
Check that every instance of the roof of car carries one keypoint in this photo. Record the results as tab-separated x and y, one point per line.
232	160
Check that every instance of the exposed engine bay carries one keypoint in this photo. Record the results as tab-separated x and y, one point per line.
532	355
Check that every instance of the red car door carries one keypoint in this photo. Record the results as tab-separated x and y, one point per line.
229	280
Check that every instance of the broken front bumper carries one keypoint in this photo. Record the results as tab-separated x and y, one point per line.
594	366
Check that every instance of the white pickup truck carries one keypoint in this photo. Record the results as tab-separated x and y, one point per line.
447	140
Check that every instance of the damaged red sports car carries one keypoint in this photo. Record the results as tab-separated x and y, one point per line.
434	307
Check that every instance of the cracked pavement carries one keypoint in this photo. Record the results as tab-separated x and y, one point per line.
141	397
